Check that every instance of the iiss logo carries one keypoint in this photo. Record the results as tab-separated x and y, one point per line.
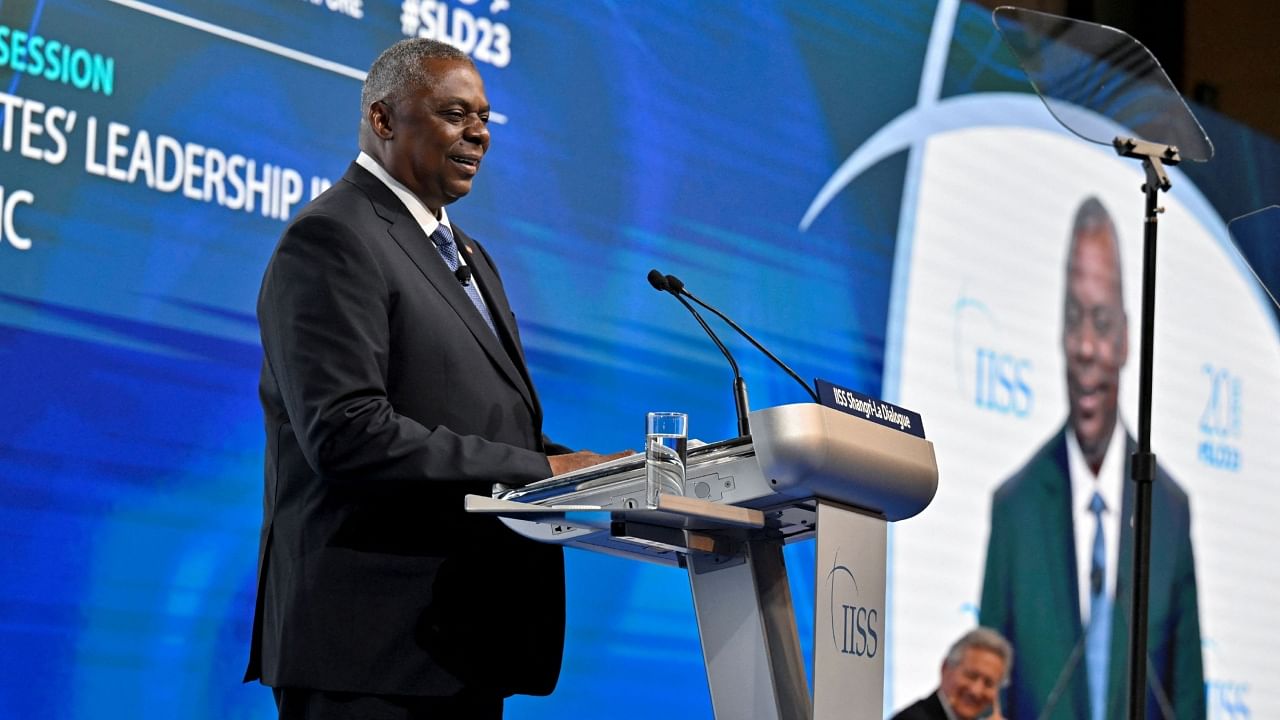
996	378
855	627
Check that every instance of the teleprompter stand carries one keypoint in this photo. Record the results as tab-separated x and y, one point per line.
1093	79
1154	157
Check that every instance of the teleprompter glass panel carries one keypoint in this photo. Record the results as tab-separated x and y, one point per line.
1257	237
1087	73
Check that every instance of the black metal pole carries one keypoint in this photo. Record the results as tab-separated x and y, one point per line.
1143	468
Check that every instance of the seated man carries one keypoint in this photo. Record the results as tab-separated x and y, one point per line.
975	669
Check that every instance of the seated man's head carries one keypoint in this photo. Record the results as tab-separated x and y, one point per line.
975	669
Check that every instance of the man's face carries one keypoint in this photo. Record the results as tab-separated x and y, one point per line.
1095	341
970	685
433	138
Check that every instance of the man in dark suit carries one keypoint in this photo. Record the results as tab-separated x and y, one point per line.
1057	583
393	384
974	670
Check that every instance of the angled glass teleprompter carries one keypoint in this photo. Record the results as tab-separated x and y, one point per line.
1257	237
1085	71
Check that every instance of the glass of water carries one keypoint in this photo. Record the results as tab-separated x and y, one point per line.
665	446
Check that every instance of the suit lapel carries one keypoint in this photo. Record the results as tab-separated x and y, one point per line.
406	232
1061	577
500	310
1059	533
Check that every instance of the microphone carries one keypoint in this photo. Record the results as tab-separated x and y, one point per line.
662	284
676	287
463	273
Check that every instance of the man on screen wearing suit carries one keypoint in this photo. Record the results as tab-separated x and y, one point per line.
393	384
975	668
1057	582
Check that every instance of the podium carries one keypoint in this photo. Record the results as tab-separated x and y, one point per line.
806	471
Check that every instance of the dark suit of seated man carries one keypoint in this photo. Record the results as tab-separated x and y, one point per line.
975	668
392	385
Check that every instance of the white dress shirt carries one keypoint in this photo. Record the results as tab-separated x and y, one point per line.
1109	483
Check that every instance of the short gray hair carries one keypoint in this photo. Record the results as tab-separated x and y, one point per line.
982	638
400	68
1092	216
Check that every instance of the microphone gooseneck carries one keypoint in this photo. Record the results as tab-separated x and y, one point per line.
676	287
662	284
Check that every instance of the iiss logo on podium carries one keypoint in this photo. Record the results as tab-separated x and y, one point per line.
857	624
851	563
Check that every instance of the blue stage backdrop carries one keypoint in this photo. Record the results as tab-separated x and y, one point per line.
152	152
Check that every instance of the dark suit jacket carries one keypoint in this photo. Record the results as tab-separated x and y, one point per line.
1030	594
387	399
926	708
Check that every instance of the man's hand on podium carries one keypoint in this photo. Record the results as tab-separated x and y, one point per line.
561	464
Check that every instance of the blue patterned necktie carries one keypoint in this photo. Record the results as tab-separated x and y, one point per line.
1098	635
443	239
